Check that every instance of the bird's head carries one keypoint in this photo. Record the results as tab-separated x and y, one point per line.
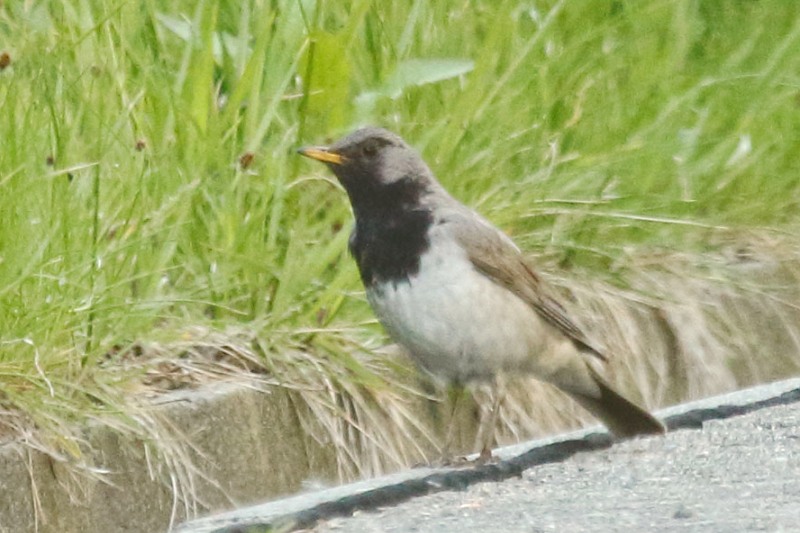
372	162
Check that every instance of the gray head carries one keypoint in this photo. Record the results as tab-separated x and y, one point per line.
372	163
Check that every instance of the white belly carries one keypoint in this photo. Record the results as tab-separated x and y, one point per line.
458	324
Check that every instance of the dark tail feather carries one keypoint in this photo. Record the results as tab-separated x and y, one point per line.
622	417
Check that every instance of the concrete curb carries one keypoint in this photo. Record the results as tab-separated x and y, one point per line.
241	440
305	510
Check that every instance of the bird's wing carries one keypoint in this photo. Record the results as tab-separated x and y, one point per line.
498	258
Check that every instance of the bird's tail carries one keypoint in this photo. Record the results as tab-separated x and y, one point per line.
621	416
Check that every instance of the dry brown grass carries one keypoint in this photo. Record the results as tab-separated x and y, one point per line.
685	327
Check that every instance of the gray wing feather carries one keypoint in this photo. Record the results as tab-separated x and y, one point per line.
497	257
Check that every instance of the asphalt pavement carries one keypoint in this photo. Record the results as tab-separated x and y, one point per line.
728	463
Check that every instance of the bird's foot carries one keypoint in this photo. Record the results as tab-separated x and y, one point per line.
485	457
461	461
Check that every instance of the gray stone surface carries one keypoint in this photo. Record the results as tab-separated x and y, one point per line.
739	472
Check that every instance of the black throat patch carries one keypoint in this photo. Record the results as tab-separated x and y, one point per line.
391	232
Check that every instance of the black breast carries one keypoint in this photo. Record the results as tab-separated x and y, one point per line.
391	232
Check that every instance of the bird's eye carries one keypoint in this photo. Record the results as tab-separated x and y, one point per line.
369	149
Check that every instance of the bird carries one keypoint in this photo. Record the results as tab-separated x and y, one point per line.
456	292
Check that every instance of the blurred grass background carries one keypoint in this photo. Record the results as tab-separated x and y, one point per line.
150	188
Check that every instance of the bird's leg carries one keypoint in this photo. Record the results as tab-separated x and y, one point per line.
486	432
455	395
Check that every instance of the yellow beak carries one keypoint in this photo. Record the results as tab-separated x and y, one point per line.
322	153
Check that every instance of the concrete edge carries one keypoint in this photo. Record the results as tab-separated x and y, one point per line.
305	510
181	463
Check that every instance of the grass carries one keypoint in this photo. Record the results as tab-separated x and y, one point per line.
149	182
